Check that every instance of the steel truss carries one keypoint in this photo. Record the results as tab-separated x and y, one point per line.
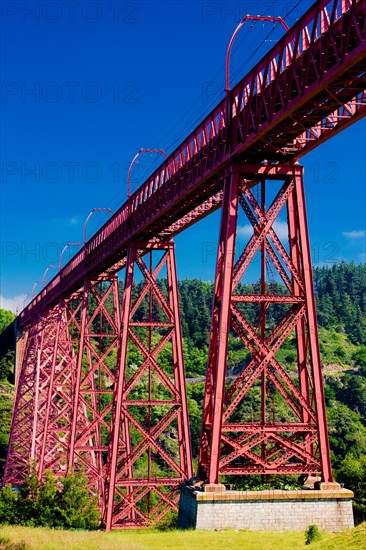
43	404
150	451
41	416
96	328
24	413
231	442
82	404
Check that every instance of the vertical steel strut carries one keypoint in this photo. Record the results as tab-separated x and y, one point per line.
24	418
150	450
240	434
97	327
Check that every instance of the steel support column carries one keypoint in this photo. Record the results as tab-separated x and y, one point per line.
96	320
262	421
56	394
22	432
45	442
313	329
150	451
216	367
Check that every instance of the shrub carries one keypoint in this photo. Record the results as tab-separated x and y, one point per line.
8	505
169	522
312	534
43	504
74	507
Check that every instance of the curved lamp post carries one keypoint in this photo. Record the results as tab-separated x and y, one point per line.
133	162
46	271
34	286
65	248
246	18
90	215
19	303
25	298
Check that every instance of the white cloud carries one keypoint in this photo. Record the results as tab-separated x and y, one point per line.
14	304
244	230
281	229
360	234
65	222
279	226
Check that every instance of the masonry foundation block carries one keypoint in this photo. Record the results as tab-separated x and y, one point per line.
272	510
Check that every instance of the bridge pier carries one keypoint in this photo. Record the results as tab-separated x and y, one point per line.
262	422
149	453
96	329
24	420
92	393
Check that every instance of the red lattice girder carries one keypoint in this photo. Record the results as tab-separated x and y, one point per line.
55	403
97	325
39	406
45	389
21	439
150	449
231	442
307	88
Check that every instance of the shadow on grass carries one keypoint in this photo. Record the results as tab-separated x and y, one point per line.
6	544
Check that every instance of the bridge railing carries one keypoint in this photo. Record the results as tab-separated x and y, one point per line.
308	29
254	98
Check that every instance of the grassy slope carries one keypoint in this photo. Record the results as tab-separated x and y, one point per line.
11	538
348	540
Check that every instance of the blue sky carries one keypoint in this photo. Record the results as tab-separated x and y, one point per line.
85	84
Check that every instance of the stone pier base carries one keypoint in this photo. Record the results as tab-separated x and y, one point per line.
274	510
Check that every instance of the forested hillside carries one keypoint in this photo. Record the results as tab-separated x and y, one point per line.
341	308
341	299
341	303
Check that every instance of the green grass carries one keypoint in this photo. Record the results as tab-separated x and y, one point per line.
347	540
27	538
